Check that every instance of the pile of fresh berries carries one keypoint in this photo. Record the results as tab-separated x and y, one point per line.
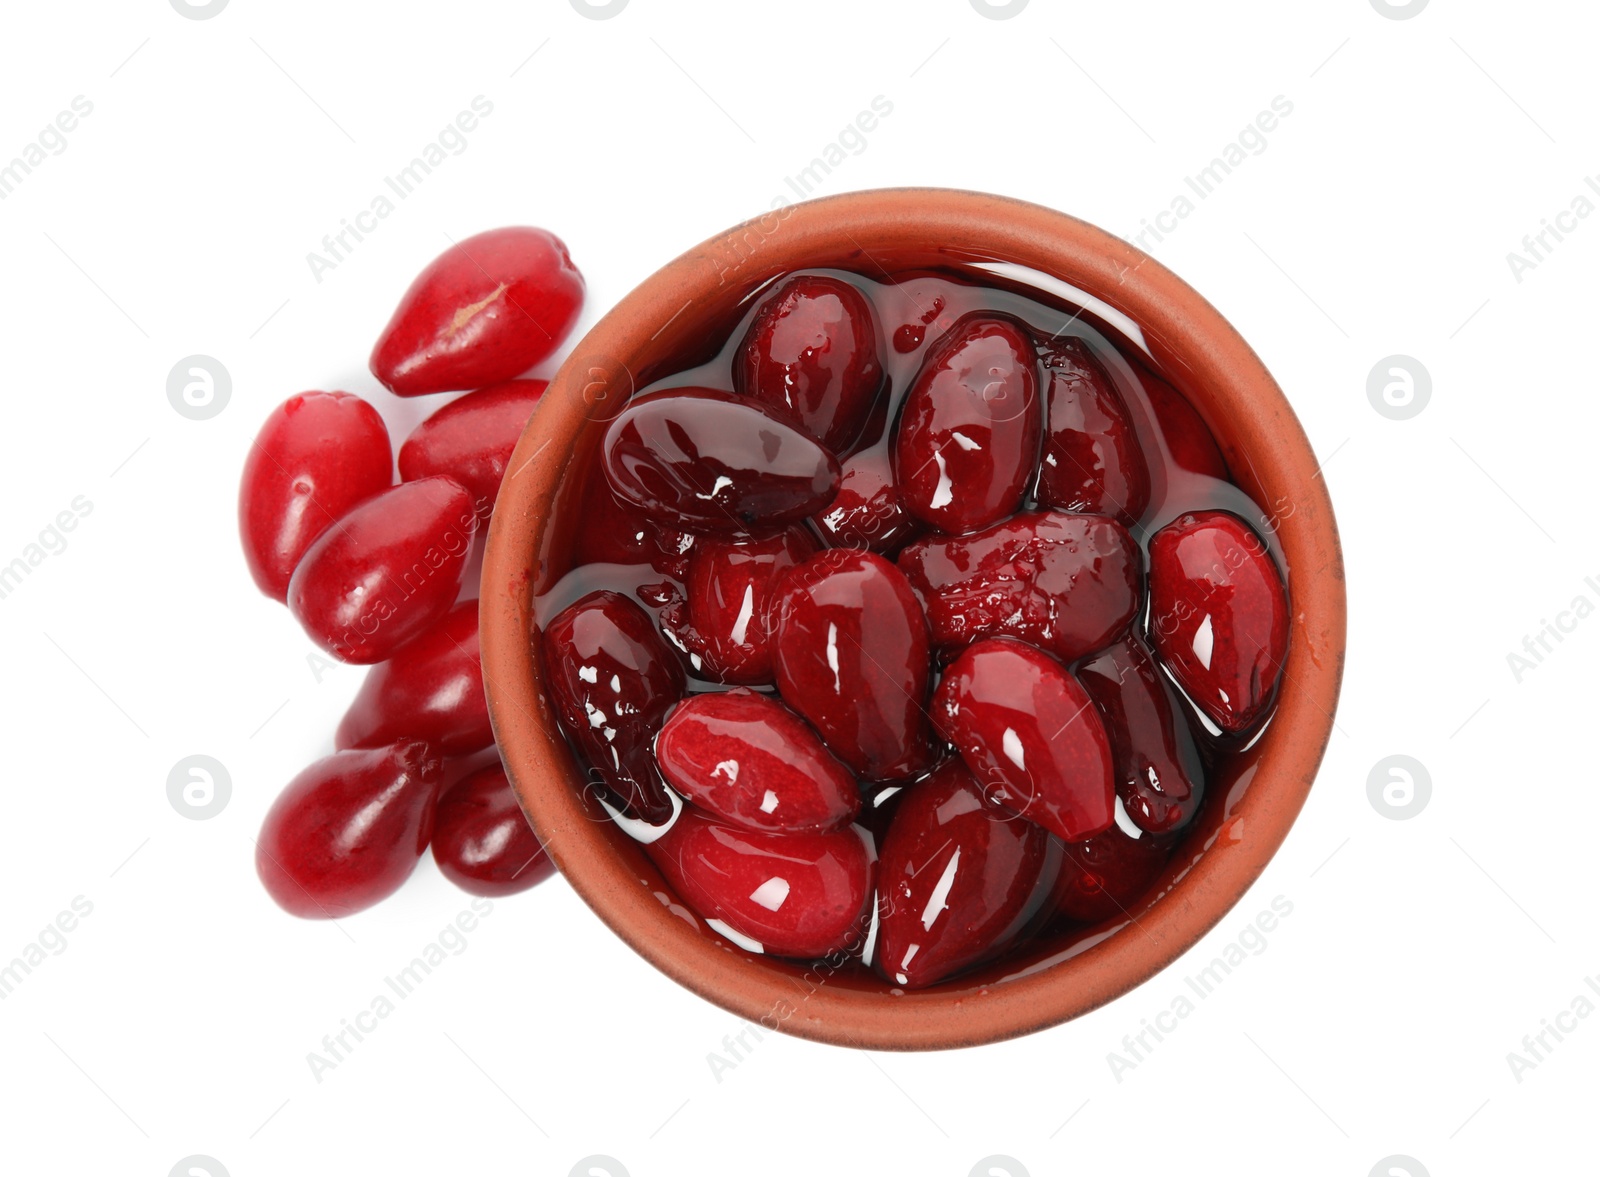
373	570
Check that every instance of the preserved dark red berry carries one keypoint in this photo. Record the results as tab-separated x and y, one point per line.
1066	583
1160	776
968	438
722	620
868	511
613	681
1218	615
1030	734
749	760
1092	461
851	656
960	879
813	353
804	895
704	459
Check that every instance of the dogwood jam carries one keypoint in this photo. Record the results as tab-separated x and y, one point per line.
1011	496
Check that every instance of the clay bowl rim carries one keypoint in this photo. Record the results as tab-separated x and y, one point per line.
1190	342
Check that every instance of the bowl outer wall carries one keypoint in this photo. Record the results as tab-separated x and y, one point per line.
878	232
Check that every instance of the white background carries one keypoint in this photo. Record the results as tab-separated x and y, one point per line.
177	221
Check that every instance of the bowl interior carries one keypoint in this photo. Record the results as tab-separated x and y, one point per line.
661	328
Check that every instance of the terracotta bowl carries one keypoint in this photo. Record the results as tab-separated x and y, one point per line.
650	334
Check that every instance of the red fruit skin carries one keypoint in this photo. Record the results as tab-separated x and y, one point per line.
431	689
1104	876
1001	703
389	571
968	439
615	532
471	439
318	454
868	511
609	672
349	829
851	655
1160	776
820	884
1066	583
482	842
1212	577
485	310
1092	461
960	879
813	353
1189	442
704	459
750	761
722	622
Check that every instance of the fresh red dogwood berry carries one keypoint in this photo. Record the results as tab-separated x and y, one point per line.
1188	441
1092	461
750	761
1160	777
430	689
1104	876
968	438
812	352
471	439
482	842
1066	583
722	621
960	878
805	895
611	531
387	572
614	680
317	456
1218	615
704	459
348	830
1030	734
868	511
851	656
485	310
